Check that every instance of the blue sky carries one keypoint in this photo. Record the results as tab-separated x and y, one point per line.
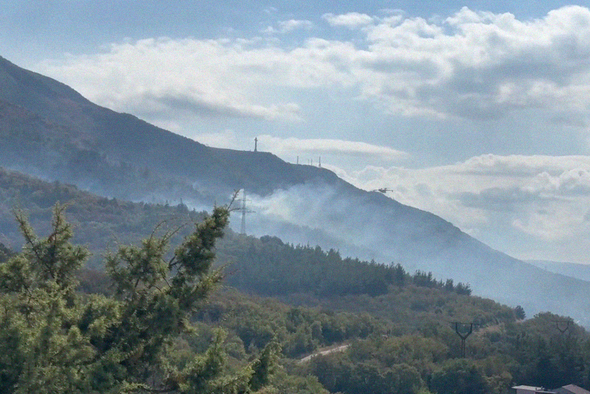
476	111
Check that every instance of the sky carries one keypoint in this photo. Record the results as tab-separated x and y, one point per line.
477	111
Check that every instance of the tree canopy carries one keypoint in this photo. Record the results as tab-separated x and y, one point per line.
54	339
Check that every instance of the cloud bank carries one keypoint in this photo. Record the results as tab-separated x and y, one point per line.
471	65
319	146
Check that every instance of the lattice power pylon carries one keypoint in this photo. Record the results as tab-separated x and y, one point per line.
244	210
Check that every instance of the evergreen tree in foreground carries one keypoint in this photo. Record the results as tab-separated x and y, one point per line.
56	340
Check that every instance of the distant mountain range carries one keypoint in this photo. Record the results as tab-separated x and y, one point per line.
50	131
573	270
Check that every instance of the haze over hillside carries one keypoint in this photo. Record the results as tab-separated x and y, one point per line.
578	271
49	130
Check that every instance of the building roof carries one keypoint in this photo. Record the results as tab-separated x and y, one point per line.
533	389
571	389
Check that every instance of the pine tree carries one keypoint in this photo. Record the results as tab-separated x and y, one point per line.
56	340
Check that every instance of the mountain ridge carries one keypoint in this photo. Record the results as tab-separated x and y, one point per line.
101	127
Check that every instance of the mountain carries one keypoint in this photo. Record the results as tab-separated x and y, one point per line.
49	130
39	113
574	270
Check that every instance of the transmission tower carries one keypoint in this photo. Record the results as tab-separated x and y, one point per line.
562	325
463	330
383	190
244	210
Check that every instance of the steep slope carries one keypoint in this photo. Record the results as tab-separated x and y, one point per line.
56	115
574	270
49	130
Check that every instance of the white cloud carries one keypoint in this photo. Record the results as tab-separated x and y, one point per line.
270	10
292	24
321	146
482	65
351	20
165	76
289	26
474	65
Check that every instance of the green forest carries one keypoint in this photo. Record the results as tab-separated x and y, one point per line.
101	295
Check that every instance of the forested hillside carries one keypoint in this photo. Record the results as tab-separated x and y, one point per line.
265	266
397	328
102	223
402	340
